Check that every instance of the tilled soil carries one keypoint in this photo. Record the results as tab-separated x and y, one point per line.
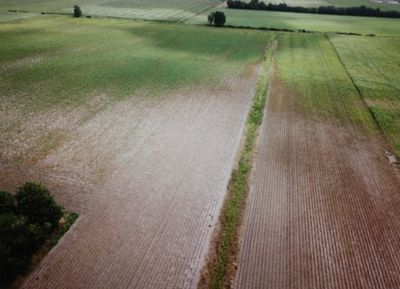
323	209
148	178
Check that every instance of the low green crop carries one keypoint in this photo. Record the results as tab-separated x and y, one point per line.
374	66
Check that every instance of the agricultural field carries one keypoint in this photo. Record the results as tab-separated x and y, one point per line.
312	22
374	66
112	116
166	10
7	16
152	133
322	210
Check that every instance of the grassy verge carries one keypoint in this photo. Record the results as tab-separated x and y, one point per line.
70	219
221	266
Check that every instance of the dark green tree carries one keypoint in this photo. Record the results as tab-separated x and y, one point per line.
254	4
77	11
26	221
7	203
219	19
36	203
15	247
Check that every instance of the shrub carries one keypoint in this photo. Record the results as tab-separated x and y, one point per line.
36	203
77	11
7	203
10	266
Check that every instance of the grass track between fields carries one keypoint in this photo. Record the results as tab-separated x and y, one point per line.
220	267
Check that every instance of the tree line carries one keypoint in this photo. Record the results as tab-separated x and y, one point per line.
332	10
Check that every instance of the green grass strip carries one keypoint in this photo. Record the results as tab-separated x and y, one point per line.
232	211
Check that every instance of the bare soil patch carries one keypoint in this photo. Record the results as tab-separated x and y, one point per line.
147	176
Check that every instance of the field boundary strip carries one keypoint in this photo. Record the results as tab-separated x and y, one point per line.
220	267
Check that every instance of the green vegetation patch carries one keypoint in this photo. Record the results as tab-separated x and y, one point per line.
374	65
317	82
50	61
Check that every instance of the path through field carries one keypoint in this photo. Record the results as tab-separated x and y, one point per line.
148	178
324	204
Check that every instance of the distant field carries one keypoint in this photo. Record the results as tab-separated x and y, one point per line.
309	66
8	16
168	10
337	3
313	22
374	64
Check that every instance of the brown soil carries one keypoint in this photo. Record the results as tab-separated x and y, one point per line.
323	209
148	177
